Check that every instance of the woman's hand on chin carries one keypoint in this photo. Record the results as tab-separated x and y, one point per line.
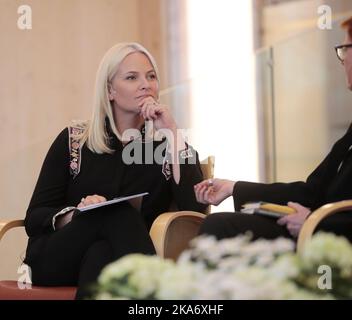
158	113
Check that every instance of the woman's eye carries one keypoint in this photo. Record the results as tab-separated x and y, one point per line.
152	76
131	78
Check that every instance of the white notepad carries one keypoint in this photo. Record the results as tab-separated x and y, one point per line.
108	202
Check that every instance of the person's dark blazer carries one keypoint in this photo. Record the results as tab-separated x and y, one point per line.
329	182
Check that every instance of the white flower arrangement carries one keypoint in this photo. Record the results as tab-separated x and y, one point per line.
236	268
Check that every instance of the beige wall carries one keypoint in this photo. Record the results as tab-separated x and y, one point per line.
46	79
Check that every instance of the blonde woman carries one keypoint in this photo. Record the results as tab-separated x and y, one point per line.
88	164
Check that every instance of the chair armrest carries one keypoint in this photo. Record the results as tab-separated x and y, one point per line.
172	231
7	225
317	216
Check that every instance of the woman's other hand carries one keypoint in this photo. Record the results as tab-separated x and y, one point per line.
294	222
64	219
158	113
94	199
213	191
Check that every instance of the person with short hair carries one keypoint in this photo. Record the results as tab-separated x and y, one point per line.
331	181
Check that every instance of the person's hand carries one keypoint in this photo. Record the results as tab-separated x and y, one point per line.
64	219
158	113
294	221
91	200
213	191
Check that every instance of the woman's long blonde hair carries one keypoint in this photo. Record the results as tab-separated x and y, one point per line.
96	134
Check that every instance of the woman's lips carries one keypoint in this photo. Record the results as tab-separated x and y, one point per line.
145	96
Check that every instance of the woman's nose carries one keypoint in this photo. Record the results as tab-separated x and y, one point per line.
145	84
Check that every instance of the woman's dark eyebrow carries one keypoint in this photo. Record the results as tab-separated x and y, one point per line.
136	72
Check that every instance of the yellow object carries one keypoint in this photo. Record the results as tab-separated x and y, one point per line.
266	208
277	208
